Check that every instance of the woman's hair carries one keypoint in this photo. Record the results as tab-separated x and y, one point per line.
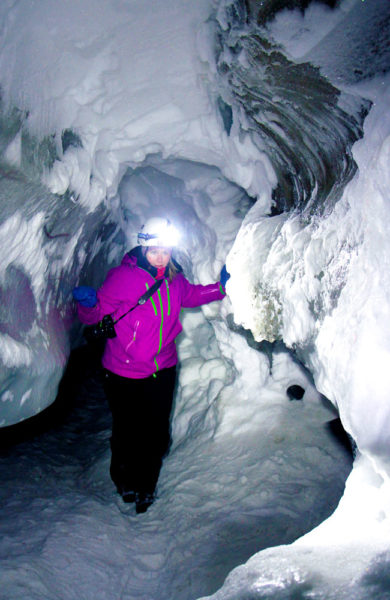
173	271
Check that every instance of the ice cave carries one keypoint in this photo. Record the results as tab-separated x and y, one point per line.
261	128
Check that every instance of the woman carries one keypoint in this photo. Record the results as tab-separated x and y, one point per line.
140	362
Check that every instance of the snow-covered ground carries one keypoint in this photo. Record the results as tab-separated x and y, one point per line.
248	469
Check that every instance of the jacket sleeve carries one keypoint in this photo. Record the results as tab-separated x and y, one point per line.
118	293
196	295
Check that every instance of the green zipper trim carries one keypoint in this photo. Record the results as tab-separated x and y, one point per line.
152	301
154	306
169	297
162	320
221	289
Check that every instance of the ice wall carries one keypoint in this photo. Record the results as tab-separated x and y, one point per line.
321	283
322	287
298	272
88	97
47	243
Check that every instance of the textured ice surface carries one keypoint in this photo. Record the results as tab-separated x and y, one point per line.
138	85
322	288
65	75
248	469
349	43
46	242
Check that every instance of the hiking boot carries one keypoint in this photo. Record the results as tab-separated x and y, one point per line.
143	501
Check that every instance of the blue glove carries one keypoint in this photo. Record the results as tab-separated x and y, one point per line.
224	276
85	295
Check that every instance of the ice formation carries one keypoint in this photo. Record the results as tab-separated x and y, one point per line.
118	110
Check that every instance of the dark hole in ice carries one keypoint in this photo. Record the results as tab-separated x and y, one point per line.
295	392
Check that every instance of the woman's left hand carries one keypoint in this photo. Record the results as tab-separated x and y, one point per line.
223	278
85	295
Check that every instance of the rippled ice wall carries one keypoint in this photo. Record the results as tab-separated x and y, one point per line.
315	269
302	122
305	125
316	272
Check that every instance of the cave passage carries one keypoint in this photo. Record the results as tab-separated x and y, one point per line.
244	473
256	152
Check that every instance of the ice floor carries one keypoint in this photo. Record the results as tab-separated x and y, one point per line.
65	534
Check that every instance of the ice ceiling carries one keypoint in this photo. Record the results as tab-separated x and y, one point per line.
197	113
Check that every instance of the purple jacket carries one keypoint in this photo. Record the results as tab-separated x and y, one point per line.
145	339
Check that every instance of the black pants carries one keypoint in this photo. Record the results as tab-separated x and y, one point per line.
141	437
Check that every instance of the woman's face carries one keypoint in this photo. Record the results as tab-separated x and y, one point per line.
158	257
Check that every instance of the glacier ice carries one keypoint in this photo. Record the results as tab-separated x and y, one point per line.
140	86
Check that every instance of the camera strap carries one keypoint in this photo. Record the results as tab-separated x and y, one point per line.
143	298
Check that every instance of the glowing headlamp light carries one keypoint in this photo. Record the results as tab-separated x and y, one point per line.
158	232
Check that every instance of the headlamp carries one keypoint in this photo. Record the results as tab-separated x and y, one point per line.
158	232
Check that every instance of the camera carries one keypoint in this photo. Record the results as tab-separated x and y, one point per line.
100	331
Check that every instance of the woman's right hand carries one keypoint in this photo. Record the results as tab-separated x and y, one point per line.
85	295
